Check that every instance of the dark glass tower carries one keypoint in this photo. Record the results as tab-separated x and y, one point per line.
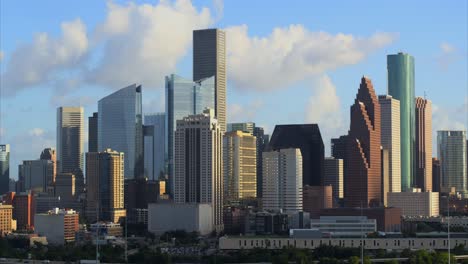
93	133
308	139
4	168
400	68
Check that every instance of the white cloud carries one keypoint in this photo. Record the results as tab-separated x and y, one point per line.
293	53
143	43
37	62
448	55
218	8
324	109
36	132
64	100
243	113
1	55
446	47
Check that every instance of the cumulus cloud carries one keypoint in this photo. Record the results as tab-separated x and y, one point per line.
37	62
324	109
143	43
293	53
448	55
243	113
37	132
84	101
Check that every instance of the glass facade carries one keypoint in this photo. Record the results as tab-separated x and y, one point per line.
120	127
183	98
155	153
451	151
4	168
400	68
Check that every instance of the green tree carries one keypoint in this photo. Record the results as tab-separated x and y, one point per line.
420	257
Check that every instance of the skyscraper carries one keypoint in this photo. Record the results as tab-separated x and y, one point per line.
105	185
451	151
363	184
245	127
183	98
120	127
435	175
334	176
50	154
423	144
93	133
198	170
240	166
390	138
400	71
36	175
209	59
262	141
307	138
282	180
4	168
70	139
155	151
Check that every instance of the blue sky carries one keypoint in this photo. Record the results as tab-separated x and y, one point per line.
288	62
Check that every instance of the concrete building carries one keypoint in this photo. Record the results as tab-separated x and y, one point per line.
93	133
209	59
282	180
120	127
163	217
4	168
451	151
51	155
240	168
184	98
36	175
59	226
390	139
316	198
106	229
385	174
423	148
334	177
415	203
308	139
266	223
247	127
198	170
70	139
6	218
363	183
23	210
155	151
401	77
65	187
105	186
344	226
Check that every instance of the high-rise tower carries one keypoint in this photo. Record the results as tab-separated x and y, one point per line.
4	168
363	184
209	59
400	69
70	139
451	151
423	144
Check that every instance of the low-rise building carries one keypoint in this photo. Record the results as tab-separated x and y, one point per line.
266	223
415	203
106	229
58	225
163	217
6	218
344	226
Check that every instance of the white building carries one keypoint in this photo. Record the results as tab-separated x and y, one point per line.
163	217
390	137
334	177
59	226
282	180
415	203
344	226
198	166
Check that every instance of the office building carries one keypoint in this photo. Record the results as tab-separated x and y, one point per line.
282	180
191	217
183	98
244	127
436	175
307	138
138	193
23	210
58	225
50	154
6	218
363	183
423	148
120	127
345	226
70	139
316	198
105	186
65	187
155	151
209	59
415	203
4	168
334	177
36	175
267	223
198	170
390	138
451	151
262	142
400	72
93	133
240	167
385	174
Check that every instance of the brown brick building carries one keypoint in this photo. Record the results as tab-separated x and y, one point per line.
316	198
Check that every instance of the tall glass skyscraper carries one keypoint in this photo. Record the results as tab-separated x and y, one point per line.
183	98
70	139
400	68
4	168
120	127
451	151
155	153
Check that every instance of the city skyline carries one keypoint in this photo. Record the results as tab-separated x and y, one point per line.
248	99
